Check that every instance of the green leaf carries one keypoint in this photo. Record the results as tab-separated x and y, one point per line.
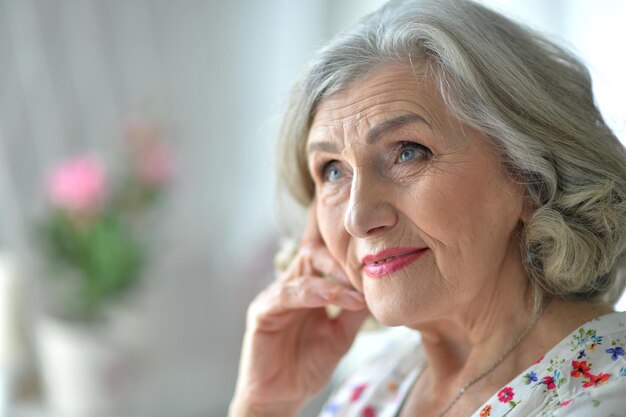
104	255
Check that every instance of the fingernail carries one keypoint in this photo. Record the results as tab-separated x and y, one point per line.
343	279
324	294
356	296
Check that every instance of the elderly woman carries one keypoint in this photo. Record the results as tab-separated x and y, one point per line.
461	182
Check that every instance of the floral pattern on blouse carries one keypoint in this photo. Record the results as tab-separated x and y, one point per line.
583	375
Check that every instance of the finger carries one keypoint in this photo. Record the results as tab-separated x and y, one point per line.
315	261
350	322
312	291
307	292
301	265
324	263
293	261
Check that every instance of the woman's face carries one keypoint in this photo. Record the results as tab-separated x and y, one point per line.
394	171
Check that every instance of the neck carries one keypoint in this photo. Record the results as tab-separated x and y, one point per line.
458	350
472	335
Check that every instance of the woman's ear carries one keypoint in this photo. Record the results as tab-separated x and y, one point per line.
528	208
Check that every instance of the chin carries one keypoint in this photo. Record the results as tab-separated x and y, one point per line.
389	314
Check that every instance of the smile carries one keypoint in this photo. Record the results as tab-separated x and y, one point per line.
390	260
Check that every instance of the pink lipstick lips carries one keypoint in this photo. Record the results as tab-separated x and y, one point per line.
390	260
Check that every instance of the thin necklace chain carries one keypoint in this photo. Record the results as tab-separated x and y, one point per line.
502	357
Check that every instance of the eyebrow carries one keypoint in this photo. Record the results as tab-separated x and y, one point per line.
391	124
373	135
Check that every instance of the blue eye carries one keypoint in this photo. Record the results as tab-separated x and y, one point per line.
407	154
330	172
412	150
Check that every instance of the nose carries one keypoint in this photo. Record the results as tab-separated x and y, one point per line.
369	211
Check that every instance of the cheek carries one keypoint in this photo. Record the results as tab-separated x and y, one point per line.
331	224
471	220
330	221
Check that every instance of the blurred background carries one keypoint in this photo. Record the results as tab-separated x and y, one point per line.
206	81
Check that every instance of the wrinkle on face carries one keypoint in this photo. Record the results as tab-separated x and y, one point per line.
457	201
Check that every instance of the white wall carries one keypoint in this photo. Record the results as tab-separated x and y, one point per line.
214	73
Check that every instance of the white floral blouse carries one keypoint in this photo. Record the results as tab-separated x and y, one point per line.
584	375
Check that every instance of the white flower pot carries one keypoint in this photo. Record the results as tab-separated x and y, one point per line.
84	368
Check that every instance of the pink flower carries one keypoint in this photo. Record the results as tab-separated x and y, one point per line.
357	391
549	382
153	162
506	394
154	165
78	185
369	411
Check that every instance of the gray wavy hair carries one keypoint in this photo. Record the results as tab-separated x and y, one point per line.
529	97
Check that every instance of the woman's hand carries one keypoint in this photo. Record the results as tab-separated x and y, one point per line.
291	347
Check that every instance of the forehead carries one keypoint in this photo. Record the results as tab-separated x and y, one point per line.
392	90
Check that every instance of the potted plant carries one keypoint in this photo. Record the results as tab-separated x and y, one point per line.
93	237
